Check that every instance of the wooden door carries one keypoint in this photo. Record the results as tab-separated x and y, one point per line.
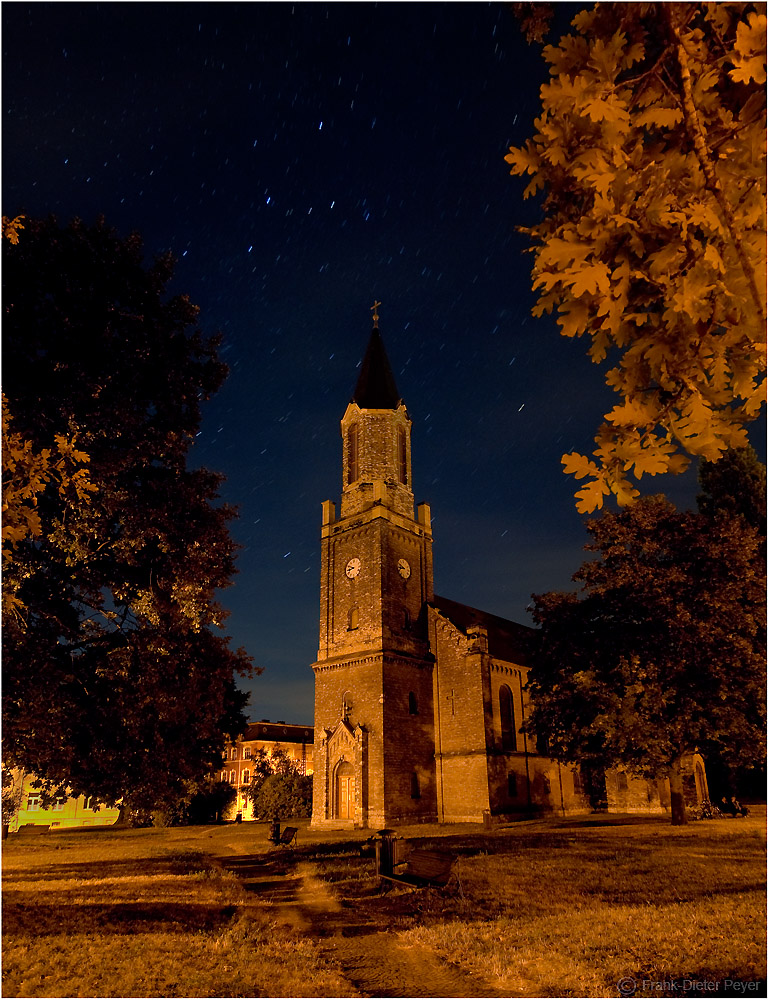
345	781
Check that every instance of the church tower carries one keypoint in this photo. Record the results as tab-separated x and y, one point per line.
374	729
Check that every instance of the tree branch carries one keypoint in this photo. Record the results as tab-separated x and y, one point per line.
712	184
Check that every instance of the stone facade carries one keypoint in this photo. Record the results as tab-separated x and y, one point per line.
419	700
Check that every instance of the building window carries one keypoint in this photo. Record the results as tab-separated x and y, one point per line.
247	753
402	459
246	777
59	804
234	754
88	803
507	717
232	777
352	620
546	783
352	454
413	707
512	784
33	803
406	619
577	778
415	792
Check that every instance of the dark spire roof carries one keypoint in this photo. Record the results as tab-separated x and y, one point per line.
376	389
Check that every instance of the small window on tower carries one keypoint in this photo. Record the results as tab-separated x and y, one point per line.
352	454
402	462
413	707
512	784
415	791
352	620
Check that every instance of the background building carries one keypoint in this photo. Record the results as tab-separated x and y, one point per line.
296	741
65	813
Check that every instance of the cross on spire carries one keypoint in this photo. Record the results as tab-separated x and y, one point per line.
374	310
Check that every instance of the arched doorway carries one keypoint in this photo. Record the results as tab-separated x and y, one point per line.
344	791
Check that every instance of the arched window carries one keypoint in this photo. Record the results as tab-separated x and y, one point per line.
352	620
415	791
507	717
413	707
346	704
352	453
232	777
402	456
246	777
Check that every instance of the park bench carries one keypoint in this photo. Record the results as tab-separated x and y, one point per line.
422	867
288	837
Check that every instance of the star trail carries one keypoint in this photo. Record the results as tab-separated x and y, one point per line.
302	161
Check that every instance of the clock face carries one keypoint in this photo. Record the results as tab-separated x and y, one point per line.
353	567
404	569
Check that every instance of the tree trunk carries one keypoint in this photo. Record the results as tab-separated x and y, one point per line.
122	819
677	804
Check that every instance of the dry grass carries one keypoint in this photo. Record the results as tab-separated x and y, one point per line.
575	910
143	914
547	908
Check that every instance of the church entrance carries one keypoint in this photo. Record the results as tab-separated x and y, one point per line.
345	791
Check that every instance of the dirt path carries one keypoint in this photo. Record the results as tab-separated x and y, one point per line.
375	962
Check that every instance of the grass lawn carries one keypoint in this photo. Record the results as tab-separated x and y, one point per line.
144	913
547	908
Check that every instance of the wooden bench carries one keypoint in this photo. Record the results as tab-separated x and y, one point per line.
422	867
288	837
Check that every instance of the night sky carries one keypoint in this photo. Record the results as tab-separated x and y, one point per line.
301	161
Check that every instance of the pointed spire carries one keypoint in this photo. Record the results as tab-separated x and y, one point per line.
376	389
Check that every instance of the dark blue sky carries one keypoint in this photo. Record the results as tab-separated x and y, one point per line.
302	160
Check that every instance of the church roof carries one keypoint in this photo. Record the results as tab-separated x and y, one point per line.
508	640
376	389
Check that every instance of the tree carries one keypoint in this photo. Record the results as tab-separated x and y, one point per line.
735	486
210	800
650	154
662	652
114	661
277	787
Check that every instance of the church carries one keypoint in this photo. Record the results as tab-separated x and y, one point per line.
419	700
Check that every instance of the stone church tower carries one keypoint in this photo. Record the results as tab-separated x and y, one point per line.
373	675
420	700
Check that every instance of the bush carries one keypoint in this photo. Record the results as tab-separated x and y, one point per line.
284	795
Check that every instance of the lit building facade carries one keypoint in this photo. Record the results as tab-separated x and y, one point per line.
237	770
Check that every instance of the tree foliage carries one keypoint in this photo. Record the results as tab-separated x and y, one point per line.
650	154
735	486
117	679
662	652
210	801
277	786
